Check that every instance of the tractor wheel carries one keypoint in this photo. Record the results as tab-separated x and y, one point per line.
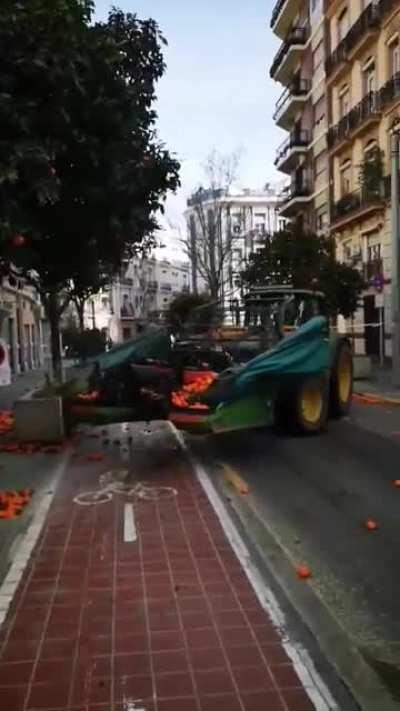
309	409
341	385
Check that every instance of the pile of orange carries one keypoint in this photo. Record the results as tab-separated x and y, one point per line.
199	385
88	397
6	421
12	503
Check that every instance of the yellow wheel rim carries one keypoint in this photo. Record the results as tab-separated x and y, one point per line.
311	403
344	377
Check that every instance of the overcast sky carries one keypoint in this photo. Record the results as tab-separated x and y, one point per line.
216	91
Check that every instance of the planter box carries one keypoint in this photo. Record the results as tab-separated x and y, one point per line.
39	419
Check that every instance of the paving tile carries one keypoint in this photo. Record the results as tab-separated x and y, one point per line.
134	687
47	671
174	685
15	673
253	679
12	698
218	681
176	704
207	658
163	641
297	701
131	664
263	701
221	702
170	661
285	676
52	695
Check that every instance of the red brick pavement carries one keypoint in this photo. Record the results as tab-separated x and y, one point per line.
167	623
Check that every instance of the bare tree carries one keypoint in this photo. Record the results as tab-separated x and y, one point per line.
208	243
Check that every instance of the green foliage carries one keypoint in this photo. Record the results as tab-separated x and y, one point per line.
81	171
305	260
371	173
191	309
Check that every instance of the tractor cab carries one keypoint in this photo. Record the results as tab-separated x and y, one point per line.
281	310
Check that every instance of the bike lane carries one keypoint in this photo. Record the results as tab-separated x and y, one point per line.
139	595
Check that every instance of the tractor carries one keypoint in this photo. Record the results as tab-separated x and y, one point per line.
272	359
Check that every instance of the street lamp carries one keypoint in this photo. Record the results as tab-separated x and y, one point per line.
395	235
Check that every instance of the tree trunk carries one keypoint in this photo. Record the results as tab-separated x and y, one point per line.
80	310
54	320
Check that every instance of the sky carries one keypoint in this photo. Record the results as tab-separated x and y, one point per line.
216	92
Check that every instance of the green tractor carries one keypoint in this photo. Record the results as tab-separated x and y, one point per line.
289	366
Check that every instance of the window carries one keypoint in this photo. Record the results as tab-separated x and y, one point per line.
370	149
344	100
394	57
319	111
343	24
345	178
347	251
318	56
368	77
322	219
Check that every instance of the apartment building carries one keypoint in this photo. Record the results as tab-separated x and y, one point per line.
299	65
241	221
23	326
363	85
141	294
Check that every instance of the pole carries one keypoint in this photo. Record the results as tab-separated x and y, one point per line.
395	276
382	336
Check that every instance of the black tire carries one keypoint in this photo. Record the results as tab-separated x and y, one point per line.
341	383
309	406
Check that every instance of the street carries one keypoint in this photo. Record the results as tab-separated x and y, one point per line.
314	496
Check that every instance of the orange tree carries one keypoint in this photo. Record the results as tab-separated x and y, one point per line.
305	260
82	172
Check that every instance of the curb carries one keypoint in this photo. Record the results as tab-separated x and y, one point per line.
357	675
373	399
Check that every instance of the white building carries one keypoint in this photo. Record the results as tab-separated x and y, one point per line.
142	294
244	219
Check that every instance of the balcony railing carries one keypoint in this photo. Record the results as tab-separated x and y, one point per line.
298	35
299	87
390	90
301	188
354	202
297	139
369	19
277	11
365	109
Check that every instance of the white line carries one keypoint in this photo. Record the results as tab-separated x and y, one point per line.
313	684
28	542
130	534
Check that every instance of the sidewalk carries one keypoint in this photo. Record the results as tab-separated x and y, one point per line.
136	601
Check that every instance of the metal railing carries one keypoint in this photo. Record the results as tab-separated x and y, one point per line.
355	201
390	91
301	188
369	19
297	35
277	11
297	139
365	109
298	87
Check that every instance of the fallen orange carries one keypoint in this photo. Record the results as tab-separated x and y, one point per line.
303	572
371	525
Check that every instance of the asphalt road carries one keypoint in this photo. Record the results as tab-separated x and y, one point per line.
315	495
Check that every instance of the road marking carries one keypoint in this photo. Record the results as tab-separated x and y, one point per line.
130	534
312	682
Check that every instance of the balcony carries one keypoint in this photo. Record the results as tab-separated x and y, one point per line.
358	34
357	204
166	287
358	119
290	102
373	270
288	56
283	16
152	285
294	198
287	154
390	91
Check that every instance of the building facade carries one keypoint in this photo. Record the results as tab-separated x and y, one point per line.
340	64
141	294
363	84
23	326
299	65
242	221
